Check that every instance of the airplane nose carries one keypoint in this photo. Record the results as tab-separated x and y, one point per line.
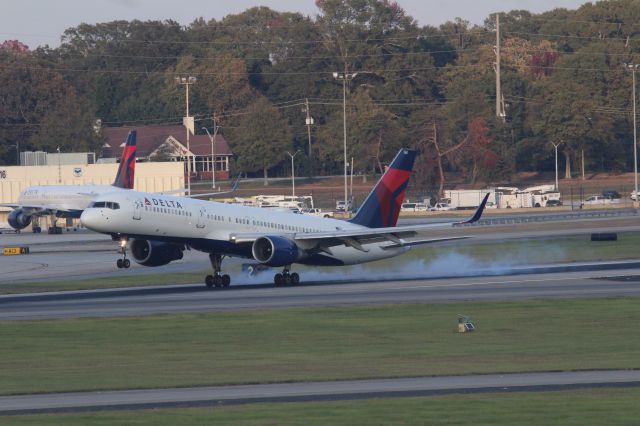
90	219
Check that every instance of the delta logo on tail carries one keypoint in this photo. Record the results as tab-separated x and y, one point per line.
382	207
126	171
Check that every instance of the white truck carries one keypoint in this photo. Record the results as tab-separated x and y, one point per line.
469	198
317	212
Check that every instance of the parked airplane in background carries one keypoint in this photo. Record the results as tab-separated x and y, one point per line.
158	228
70	200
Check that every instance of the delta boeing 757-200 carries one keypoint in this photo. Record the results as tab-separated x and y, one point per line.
70	200
159	228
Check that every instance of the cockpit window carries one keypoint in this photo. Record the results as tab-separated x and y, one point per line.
104	204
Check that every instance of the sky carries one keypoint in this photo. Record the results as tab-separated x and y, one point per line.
40	22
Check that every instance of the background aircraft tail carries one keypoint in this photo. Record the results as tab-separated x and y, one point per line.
382	206
126	171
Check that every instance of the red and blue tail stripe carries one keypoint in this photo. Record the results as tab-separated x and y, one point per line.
382	206
126	171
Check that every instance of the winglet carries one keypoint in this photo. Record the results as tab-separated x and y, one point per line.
478	213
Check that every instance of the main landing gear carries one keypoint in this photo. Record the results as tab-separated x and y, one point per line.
217	279
124	262
286	278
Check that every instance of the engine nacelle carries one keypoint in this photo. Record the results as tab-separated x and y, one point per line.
154	253
18	219
275	251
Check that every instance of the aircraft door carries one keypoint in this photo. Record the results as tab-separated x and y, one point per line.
201	218
137	210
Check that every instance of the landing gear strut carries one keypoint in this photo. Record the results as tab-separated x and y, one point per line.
217	279
286	278
124	262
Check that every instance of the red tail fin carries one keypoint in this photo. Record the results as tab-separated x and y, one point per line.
126	171
382	206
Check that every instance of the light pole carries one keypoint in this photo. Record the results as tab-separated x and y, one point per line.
633	68
213	152
59	168
344	77
187	81
556	145
293	176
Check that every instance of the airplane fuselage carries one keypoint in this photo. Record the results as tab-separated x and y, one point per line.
211	226
63	197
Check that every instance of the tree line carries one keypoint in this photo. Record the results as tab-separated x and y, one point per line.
565	78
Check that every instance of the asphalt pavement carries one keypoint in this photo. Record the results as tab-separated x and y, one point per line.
314	391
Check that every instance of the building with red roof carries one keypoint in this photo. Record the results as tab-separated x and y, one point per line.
168	143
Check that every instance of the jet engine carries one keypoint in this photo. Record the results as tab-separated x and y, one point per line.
154	253
275	251
18	219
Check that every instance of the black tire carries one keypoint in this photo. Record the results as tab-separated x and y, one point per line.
119	263
126	263
217	281
286	278
208	280
295	278
278	279
226	281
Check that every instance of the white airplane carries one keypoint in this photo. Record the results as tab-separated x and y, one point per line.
159	228
70	200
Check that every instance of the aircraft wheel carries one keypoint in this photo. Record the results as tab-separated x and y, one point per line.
226	281
208	280
286	279
217	281
278	279
119	263
126	263
295	278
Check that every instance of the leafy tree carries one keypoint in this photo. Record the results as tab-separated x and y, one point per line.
261	138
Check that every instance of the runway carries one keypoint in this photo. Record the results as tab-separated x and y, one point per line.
85	255
314	391
590	280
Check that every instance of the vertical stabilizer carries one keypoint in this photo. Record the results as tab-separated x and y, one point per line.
382	206
126	171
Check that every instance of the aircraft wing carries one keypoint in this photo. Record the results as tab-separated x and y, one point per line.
41	209
357	237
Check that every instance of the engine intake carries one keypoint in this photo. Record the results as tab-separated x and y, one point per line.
154	253
275	251
18	219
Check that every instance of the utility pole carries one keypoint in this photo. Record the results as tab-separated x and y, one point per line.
309	122
500	113
344	77
556	145
213	150
187	81
59	168
351	184
293	175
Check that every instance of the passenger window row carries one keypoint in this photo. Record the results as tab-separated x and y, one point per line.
168	211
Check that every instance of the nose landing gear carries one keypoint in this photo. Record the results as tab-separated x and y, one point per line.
124	262
217	280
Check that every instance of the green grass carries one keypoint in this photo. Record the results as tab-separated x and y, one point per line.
140	280
317	344
578	407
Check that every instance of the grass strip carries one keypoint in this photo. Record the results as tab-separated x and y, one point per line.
317	344
576	407
139	280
